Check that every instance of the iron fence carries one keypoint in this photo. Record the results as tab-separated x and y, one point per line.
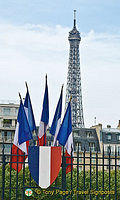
93	175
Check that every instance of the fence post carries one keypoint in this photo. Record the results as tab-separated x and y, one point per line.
115	173
23	195
64	173
3	171
78	170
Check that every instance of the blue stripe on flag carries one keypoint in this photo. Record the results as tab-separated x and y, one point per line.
66	127
28	105
33	160
24	132
45	111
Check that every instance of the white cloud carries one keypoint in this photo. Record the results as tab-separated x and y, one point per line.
29	52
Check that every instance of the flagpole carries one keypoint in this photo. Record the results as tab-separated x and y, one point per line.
31	104
45	135
20	96
55	142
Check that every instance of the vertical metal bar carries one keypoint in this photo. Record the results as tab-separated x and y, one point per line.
23	194
3	171
64	173
78	171
84	170
17	178
115	173
90	173
103	171
109	168
10	170
71	168
97	173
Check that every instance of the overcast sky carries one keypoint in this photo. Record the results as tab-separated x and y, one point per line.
34	41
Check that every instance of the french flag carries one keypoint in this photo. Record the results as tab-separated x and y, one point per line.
65	137
29	111
44	118
57	119
21	139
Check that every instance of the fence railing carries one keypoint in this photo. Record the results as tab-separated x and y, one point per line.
92	176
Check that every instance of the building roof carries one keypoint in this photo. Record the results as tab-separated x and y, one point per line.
111	130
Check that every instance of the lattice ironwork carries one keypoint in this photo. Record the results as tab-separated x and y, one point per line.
74	78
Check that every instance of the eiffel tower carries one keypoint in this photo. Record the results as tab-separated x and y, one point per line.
74	78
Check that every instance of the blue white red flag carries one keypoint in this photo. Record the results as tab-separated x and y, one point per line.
44	164
21	139
44	118
57	119
65	137
29	111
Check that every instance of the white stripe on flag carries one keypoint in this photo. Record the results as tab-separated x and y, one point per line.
57	130
44	166
69	144
21	146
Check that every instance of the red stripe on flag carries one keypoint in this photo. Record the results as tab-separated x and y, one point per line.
18	156
68	161
41	140
55	163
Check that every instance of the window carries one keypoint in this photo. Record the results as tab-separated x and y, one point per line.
75	134
110	150
76	146
7	148
9	135
7	123
4	135
118	150
89	135
16	111
109	137
6	111
92	146
118	137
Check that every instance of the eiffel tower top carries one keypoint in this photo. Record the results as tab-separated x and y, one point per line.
74	33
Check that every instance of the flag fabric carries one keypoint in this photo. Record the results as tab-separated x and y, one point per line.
69	153
65	137
44	118
21	139
66	127
29	112
57	119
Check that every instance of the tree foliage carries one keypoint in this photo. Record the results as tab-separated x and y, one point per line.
15	186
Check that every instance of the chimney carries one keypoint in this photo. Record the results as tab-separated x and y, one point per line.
118	127
108	126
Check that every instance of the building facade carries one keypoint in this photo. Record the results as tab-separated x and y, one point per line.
8	120
109	140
